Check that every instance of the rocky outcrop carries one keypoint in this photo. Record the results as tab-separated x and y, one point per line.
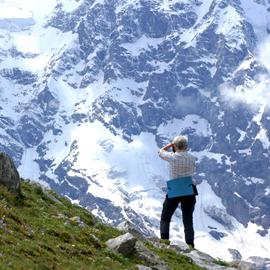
236	255
143	267
127	244
149	257
255	263
9	176
124	244
204	260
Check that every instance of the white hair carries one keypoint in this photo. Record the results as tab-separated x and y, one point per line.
181	142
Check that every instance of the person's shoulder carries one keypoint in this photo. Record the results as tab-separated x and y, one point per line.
191	156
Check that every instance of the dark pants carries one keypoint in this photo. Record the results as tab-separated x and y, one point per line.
169	207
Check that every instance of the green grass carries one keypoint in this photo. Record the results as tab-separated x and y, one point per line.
38	232
221	262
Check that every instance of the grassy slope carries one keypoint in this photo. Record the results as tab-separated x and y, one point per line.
36	232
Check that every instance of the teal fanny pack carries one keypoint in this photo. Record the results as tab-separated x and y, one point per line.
178	187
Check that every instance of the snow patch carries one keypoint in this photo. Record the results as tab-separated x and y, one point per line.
70	5
177	126
257	15
242	134
29	168
229	19
142	44
256	180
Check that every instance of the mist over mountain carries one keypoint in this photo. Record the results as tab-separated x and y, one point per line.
90	90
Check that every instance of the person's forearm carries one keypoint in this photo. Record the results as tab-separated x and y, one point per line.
163	152
166	147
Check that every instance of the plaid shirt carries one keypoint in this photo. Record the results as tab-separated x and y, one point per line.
181	163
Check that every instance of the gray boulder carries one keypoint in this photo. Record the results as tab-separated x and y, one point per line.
243	265
9	176
127	244
77	221
150	258
255	263
204	260
124	244
180	247
143	267
236	255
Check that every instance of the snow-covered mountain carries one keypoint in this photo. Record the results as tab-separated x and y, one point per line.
90	89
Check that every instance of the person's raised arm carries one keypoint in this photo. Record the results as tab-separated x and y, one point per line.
163	152
166	147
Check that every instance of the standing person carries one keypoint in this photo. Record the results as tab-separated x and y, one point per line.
181	164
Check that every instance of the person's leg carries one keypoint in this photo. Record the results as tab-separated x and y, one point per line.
169	207
187	206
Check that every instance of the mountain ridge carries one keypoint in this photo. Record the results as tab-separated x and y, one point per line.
130	76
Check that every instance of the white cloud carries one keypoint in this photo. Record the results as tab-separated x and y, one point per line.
263	53
255	94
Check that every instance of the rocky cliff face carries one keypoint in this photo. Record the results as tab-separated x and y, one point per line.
115	80
9	177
